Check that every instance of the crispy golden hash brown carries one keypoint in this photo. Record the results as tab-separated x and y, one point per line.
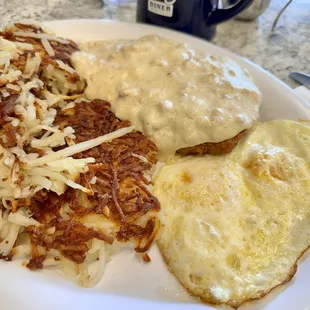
58	58
120	193
63	48
74	179
219	148
53	70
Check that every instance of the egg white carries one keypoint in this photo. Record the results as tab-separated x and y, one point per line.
236	225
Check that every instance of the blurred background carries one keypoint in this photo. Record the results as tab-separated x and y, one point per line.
285	49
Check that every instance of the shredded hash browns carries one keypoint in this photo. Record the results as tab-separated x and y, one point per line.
67	199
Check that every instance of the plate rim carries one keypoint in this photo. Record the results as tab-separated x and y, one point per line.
140	304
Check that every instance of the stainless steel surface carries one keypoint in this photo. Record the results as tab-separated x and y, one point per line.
302	78
257	8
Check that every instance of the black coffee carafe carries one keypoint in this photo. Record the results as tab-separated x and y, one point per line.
196	17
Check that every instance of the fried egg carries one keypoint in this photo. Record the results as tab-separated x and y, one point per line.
236	225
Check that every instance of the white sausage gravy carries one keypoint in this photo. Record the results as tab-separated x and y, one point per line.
176	96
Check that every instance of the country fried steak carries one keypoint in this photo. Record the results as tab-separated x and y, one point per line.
219	148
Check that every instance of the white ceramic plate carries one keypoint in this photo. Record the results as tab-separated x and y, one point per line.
127	283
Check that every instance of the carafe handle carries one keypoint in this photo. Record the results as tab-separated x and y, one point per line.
219	15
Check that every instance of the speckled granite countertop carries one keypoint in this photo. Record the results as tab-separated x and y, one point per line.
286	49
